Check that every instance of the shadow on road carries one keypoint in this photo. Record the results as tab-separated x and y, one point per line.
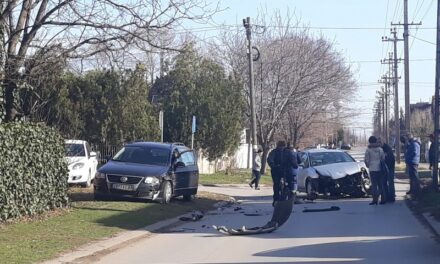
365	250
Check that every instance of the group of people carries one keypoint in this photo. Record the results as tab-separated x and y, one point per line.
379	158
380	161
283	161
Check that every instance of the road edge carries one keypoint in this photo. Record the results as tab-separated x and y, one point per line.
94	250
109	244
428	221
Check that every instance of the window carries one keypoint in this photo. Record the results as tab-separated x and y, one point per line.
74	150
143	155
188	158
324	158
305	160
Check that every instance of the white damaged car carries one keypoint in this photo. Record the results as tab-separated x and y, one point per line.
332	173
82	162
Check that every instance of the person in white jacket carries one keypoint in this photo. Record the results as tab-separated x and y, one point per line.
373	158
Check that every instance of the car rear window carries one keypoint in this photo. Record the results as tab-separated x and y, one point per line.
324	158
74	150
143	155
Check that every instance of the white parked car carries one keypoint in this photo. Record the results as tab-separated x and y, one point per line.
82	162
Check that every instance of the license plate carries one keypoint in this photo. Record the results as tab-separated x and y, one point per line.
124	187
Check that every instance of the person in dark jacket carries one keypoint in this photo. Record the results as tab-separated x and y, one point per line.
277	162
291	163
412	160
390	161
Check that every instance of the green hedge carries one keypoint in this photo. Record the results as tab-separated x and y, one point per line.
33	172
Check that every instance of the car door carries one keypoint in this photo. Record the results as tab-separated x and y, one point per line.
303	171
186	173
92	161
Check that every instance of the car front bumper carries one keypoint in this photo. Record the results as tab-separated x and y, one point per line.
349	184
143	190
78	176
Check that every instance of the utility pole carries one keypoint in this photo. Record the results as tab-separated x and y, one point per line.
248	26
396	92
386	80
382	101
437	102
406	63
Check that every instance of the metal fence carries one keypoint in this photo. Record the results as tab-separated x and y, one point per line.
105	151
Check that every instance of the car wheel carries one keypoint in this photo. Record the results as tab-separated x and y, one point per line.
167	192
365	183
88	183
310	190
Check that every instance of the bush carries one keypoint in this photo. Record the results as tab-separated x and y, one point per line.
33	172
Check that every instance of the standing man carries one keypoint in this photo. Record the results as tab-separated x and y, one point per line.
256	168
412	160
276	161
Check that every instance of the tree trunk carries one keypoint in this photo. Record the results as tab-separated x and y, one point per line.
10	87
264	157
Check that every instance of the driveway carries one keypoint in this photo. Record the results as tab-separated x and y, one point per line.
357	233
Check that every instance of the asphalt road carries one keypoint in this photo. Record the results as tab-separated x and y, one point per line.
358	233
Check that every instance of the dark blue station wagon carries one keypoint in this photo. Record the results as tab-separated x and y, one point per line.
149	170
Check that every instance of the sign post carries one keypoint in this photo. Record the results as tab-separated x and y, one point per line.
161	125
193	130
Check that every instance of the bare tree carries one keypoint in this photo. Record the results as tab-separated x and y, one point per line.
81	29
298	76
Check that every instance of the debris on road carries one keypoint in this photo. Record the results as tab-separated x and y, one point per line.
281	213
332	208
195	216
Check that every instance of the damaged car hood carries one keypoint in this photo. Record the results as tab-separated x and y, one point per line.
339	170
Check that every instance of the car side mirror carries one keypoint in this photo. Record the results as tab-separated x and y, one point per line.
179	164
92	154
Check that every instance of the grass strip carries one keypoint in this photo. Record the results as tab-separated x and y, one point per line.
238	177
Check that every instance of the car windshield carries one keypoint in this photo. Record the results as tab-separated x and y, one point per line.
143	155
75	150
324	158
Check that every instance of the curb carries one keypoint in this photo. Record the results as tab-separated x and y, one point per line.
104	246
432	224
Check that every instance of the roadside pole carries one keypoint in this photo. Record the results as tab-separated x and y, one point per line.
161	125
436	104
396	92
193	131
248	26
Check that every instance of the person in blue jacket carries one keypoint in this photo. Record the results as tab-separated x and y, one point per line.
412	160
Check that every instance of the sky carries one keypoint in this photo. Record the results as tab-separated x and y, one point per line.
356	27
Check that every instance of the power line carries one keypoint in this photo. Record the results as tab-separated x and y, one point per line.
423	40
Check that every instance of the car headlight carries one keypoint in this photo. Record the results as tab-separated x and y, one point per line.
151	180
99	175
78	166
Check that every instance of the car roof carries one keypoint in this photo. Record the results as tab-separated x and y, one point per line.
157	145
74	141
323	150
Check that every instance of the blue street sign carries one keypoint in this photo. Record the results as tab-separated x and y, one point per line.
193	127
